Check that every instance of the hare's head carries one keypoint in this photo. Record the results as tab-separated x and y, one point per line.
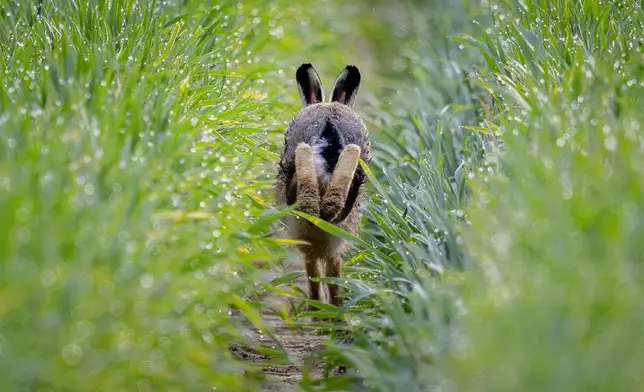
344	91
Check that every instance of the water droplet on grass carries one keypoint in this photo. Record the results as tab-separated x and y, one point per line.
72	354
147	281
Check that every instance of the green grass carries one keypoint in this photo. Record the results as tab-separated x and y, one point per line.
133	143
549	237
138	143
557	232
501	247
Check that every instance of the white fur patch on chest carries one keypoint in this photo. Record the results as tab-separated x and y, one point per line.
321	165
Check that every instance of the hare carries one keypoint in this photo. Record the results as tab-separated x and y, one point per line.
319	169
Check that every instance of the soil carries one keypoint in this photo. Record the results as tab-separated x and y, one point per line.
299	343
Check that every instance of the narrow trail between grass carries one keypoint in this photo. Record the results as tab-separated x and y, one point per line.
300	343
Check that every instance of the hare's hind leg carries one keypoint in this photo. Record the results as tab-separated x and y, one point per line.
307	183
336	194
308	196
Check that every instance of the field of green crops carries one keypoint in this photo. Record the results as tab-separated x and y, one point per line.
502	245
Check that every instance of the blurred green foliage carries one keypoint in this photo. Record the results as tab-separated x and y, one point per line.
133	143
557	233
549	299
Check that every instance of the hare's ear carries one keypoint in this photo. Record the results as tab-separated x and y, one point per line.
309	84
346	86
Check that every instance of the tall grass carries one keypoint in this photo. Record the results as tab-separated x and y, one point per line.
131	138
551	301
138	149
557	233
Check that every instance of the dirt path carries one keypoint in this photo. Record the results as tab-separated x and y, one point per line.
299	343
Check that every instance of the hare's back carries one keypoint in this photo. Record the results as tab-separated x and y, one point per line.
314	123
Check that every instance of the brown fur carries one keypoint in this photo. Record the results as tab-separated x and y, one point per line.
298	178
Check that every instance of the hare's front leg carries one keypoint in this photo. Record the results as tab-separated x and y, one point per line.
311	263
335	197
333	266
308	194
